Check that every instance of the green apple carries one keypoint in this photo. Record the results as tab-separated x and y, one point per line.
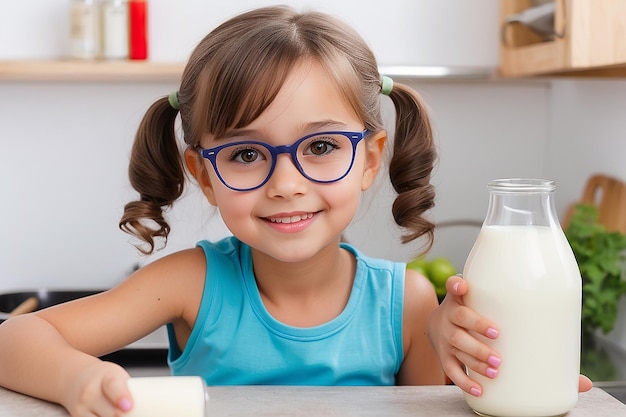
420	265
439	270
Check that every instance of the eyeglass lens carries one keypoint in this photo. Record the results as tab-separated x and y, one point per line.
323	158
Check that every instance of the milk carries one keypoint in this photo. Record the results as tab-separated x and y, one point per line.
168	397
526	280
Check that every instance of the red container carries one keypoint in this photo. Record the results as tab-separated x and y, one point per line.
138	29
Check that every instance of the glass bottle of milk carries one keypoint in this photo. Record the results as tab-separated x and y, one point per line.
523	276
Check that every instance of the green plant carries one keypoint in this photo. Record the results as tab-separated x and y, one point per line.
600	257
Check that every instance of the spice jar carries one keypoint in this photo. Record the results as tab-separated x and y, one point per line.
138	25
84	29
522	275
114	29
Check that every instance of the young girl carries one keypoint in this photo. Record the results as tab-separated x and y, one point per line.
280	112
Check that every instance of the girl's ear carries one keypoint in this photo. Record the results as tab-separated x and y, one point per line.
197	168
374	148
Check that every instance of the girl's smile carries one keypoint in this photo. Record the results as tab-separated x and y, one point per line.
292	218
291	223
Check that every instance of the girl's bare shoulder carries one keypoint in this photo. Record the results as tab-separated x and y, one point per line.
178	278
419	293
186	265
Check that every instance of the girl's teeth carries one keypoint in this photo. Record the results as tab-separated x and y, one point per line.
291	219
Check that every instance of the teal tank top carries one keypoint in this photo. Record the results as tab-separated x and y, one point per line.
235	341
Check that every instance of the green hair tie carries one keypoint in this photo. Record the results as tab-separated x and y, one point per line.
386	85
173	99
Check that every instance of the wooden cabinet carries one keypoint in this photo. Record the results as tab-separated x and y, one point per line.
592	41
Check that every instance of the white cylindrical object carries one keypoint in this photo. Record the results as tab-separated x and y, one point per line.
115	29
168	396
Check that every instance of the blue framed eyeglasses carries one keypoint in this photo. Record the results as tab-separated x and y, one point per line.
322	157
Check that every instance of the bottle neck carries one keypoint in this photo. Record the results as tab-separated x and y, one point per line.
521	203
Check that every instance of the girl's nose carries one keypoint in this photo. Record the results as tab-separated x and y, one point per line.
286	180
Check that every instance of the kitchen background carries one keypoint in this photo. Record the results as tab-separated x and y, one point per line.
64	145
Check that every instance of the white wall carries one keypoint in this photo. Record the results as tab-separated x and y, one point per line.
63	159
587	131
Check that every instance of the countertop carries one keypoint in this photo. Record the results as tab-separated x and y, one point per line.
441	401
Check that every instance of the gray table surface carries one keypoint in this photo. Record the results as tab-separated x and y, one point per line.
276	401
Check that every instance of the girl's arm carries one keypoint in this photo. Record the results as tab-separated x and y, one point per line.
36	360
421	365
52	354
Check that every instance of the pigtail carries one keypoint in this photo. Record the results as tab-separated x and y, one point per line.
156	171
411	165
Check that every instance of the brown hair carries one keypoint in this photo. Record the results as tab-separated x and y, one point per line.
235	73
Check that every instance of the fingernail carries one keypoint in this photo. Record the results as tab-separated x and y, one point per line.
455	287
475	392
494	361
491	372
492	333
125	404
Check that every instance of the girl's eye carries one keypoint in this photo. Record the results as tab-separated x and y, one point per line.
321	147
246	155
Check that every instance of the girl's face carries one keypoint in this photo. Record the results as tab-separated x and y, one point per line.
290	217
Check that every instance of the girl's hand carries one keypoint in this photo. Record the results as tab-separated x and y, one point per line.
99	390
449	329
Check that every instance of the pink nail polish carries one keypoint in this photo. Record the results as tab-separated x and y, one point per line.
492	333
125	404
455	287
494	361
475	392
491	373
